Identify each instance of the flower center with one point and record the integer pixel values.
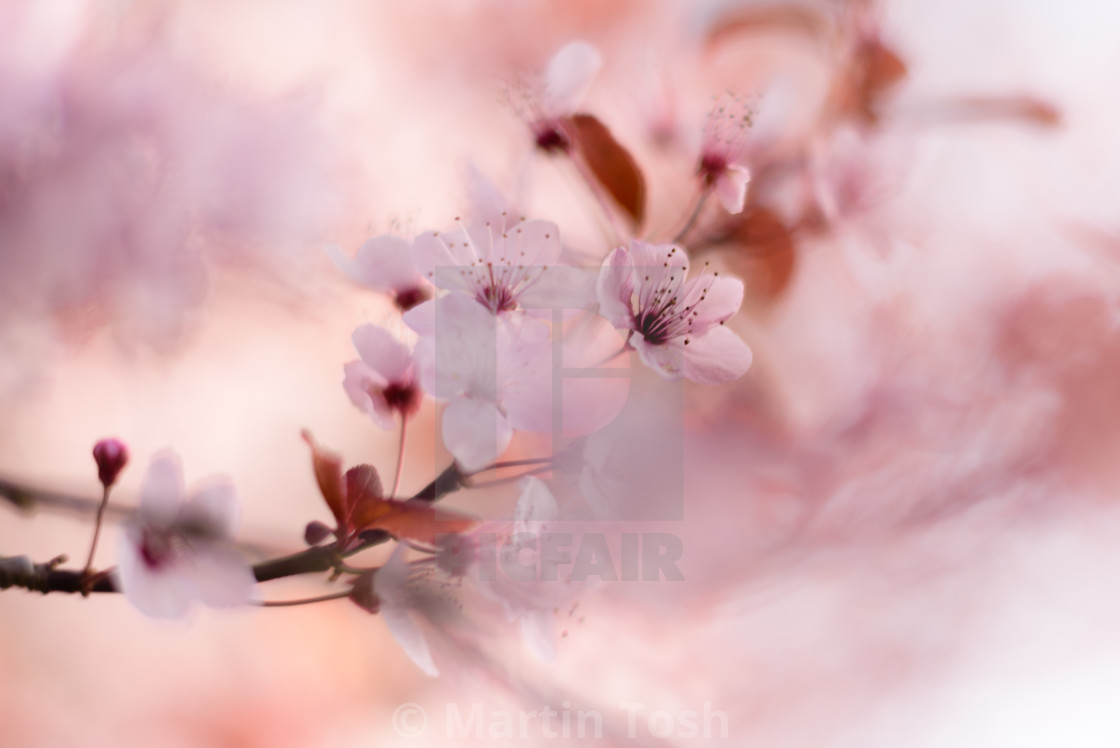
(410, 297)
(551, 139)
(667, 305)
(402, 398)
(156, 548)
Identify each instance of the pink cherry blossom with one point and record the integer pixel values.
(500, 267)
(490, 371)
(175, 552)
(723, 145)
(675, 325)
(386, 264)
(384, 382)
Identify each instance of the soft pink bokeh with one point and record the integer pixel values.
(900, 526)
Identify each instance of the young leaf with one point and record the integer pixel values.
(417, 521)
(767, 249)
(328, 474)
(613, 166)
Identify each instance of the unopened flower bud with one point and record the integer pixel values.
(111, 456)
(316, 532)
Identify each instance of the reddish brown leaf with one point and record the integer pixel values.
(413, 521)
(328, 473)
(876, 69)
(363, 486)
(767, 256)
(613, 166)
(763, 18)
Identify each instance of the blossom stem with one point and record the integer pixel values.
(304, 601)
(400, 456)
(93, 544)
(688, 224)
(511, 478)
(21, 572)
(515, 463)
(625, 347)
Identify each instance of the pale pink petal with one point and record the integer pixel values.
(456, 352)
(389, 584)
(569, 74)
(384, 263)
(219, 577)
(722, 298)
(159, 593)
(535, 507)
(363, 385)
(441, 255)
(213, 510)
(390, 580)
(410, 638)
(383, 353)
(538, 630)
(475, 432)
(533, 244)
(525, 380)
(670, 256)
(162, 491)
(422, 318)
(731, 188)
(615, 288)
(666, 359)
(716, 357)
(486, 200)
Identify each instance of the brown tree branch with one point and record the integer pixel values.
(19, 571)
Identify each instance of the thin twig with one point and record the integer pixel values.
(400, 456)
(303, 601)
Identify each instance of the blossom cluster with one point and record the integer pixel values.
(492, 311)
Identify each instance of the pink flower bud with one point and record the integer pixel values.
(111, 456)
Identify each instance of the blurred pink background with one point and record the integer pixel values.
(900, 527)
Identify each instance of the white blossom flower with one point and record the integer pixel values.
(175, 552)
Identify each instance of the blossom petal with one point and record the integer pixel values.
(615, 288)
(475, 432)
(538, 630)
(383, 352)
(219, 577)
(383, 263)
(159, 593)
(441, 257)
(535, 507)
(665, 359)
(731, 188)
(569, 74)
(716, 357)
(533, 244)
(364, 387)
(410, 638)
(162, 491)
(722, 298)
(212, 511)
(389, 585)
